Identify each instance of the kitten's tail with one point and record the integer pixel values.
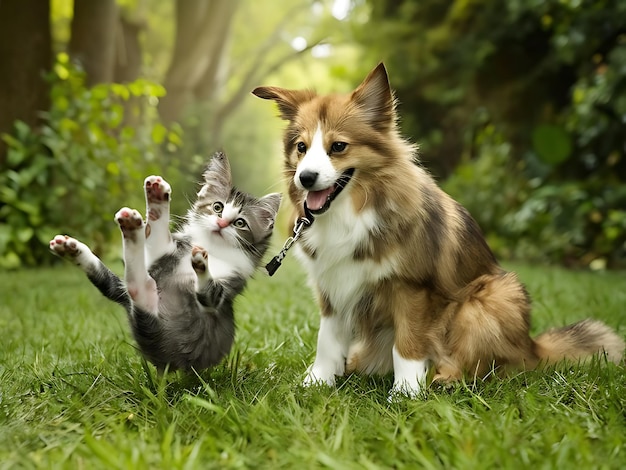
(578, 342)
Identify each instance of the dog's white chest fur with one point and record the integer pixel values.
(334, 237)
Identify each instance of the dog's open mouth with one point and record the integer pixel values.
(318, 202)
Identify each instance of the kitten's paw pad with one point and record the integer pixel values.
(157, 189)
(199, 259)
(129, 221)
(65, 246)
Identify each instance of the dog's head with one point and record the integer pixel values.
(334, 141)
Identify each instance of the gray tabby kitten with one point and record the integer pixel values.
(179, 288)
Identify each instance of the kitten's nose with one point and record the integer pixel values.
(222, 223)
(308, 178)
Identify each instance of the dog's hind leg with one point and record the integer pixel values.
(413, 344)
(490, 327)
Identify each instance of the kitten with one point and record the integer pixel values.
(179, 288)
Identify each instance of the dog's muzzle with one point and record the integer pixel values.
(318, 202)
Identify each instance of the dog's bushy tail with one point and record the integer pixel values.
(578, 342)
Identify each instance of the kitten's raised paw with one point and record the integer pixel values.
(157, 189)
(199, 259)
(65, 246)
(129, 221)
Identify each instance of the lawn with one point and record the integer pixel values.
(74, 392)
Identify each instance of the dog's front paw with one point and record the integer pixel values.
(319, 376)
(130, 222)
(402, 390)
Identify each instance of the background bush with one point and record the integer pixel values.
(523, 105)
(519, 109)
(85, 162)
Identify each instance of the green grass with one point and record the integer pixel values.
(74, 392)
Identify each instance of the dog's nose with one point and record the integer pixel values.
(308, 178)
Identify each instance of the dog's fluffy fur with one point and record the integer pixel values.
(404, 277)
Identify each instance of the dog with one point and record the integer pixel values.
(404, 277)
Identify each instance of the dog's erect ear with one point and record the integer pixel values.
(375, 98)
(287, 100)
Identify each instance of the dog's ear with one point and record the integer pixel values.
(376, 100)
(288, 101)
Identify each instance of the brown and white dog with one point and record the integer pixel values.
(404, 277)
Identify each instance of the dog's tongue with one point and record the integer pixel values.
(315, 200)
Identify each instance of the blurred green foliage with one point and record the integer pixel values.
(518, 106)
(523, 102)
(81, 165)
(573, 222)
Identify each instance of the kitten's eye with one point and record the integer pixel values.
(240, 223)
(338, 147)
(218, 207)
(301, 146)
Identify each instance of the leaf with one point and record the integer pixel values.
(8, 195)
(10, 261)
(127, 133)
(22, 130)
(24, 234)
(207, 405)
(15, 157)
(121, 90)
(113, 169)
(174, 138)
(45, 234)
(5, 236)
(11, 141)
(100, 92)
(552, 143)
(159, 132)
(104, 451)
(61, 71)
(67, 124)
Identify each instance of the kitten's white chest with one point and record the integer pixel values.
(226, 265)
(224, 260)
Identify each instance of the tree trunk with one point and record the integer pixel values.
(25, 56)
(202, 27)
(128, 59)
(92, 43)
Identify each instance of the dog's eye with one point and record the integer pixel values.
(218, 207)
(240, 223)
(338, 147)
(301, 146)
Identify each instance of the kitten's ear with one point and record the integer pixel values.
(288, 101)
(270, 205)
(218, 172)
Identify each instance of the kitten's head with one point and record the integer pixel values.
(232, 218)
